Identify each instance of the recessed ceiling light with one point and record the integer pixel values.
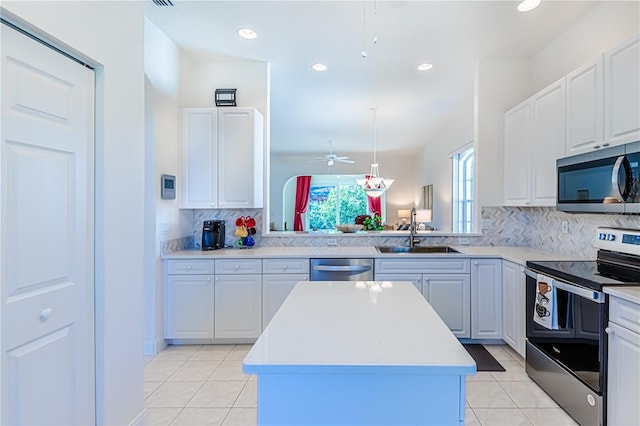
(247, 33)
(319, 67)
(425, 67)
(527, 5)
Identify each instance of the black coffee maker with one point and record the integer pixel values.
(213, 235)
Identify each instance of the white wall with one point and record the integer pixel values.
(393, 165)
(433, 165)
(603, 27)
(87, 30)
(162, 136)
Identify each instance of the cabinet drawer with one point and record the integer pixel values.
(190, 267)
(423, 266)
(624, 313)
(238, 266)
(285, 266)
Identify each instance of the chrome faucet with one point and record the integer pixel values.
(412, 229)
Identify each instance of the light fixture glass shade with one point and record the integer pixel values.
(373, 184)
(527, 5)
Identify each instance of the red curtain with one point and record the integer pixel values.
(374, 205)
(303, 185)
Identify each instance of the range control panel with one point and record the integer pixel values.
(618, 239)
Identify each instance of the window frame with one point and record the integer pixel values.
(463, 221)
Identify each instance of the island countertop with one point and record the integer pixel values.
(357, 327)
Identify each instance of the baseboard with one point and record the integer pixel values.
(153, 346)
(140, 420)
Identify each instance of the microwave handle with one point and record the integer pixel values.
(593, 295)
(615, 182)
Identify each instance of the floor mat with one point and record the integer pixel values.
(484, 360)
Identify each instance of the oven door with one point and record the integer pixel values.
(579, 343)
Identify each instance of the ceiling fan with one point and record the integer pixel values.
(332, 158)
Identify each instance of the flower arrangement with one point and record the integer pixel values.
(245, 230)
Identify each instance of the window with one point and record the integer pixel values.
(334, 200)
(462, 189)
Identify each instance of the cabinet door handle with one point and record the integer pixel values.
(284, 266)
(188, 266)
(45, 314)
(605, 144)
(608, 331)
(426, 278)
(596, 147)
(237, 266)
(475, 263)
(209, 279)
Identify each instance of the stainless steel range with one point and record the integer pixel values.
(566, 352)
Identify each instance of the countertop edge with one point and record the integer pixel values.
(628, 293)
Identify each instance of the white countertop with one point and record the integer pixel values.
(357, 327)
(515, 254)
(629, 293)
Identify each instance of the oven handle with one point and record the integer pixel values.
(593, 295)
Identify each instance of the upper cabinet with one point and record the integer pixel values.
(534, 139)
(622, 93)
(585, 108)
(603, 100)
(223, 153)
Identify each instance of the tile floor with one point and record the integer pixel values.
(205, 385)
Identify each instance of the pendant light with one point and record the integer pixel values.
(373, 184)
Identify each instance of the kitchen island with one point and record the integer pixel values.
(358, 353)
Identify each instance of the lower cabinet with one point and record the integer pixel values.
(624, 363)
(444, 282)
(449, 295)
(416, 279)
(513, 306)
(189, 307)
(238, 306)
(486, 299)
(275, 289)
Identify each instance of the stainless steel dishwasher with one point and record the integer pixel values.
(341, 269)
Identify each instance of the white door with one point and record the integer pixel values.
(46, 217)
(275, 290)
(238, 306)
(517, 155)
(449, 295)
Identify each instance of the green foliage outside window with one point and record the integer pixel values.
(322, 211)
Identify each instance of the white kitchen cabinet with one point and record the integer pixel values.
(416, 279)
(238, 306)
(444, 282)
(624, 362)
(534, 139)
(238, 299)
(486, 299)
(517, 155)
(189, 299)
(449, 295)
(622, 93)
(275, 289)
(513, 306)
(585, 108)
(279, 278)
(548, 142)
(222, 158)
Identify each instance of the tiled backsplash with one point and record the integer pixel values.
(541, 228)
(535, 227)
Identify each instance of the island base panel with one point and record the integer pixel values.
(360, 399)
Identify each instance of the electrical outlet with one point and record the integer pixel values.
(565, 227)
(463, 241)
(487, 223)
(164, 228)
(332, 242)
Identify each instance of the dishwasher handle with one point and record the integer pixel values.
(343, 268)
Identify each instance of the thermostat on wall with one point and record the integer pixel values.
(168, 185)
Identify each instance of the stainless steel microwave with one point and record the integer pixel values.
(602, 181)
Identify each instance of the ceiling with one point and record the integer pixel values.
(308, 108)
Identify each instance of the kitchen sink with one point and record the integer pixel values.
(418, 249)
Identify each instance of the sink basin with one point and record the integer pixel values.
(418, 249)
